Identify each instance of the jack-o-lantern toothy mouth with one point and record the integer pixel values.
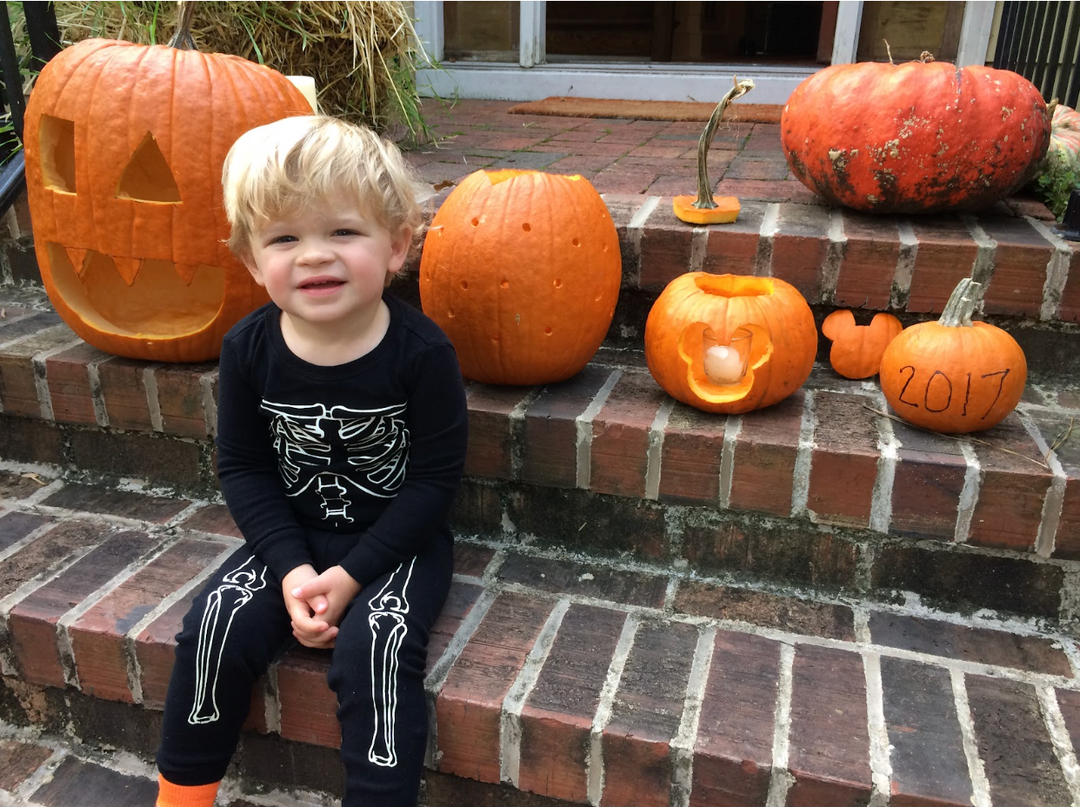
(144, 297)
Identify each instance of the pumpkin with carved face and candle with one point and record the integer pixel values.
(124, 149)
(730, 343)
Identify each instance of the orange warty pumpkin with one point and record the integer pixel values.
(954, 375)
(124, 148)
(856, 349)
(698, 312)
(920, 137)
(522, 270)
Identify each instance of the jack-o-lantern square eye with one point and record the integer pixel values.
(57, 139)
(148, 178)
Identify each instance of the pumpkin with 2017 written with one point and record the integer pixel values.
(522, 271)
(954, 375)
(698, 312)
(919, 137)
(124, 150)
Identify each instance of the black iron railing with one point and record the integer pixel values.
(38, 42)
(1041, 42)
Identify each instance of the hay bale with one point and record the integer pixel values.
(361, 54)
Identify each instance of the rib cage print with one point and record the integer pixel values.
(336, 452)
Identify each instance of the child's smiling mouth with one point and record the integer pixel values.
(321, 284)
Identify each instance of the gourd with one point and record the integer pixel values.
(954, 375)
(706, 208)
(919, 137)
(522, 271)
(857, 349)
(124, 150)
(1065, 136)
(700, 312)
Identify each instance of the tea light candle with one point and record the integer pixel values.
(723, 365)
(306, 85)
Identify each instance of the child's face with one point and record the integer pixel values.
(326, 263)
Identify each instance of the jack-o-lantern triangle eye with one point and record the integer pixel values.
(148, 177)
(57, 149)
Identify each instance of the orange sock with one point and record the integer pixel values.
(170, 795)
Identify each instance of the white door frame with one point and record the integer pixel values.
(533, 78)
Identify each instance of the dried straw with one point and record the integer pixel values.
(361, 54)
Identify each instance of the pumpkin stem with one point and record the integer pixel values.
(182, 39)
(926, 57)
(961, 304)
(704, 187)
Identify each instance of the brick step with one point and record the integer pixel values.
(583, 681)
(822, 489)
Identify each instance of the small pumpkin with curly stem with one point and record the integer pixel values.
(857, 349)
(698, 320)
(954, 375)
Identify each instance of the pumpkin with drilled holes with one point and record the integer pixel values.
(857, 349)
(1065, 136)
(124, 150)
(699, 316)
(954, 375)
(522, 270)
(919, 137)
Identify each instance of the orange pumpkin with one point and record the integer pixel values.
(522, 270)
(699, 312)
(954, 375)
(856, 349)
(919, 137)
(124, 149)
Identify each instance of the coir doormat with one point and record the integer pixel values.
(572, 107)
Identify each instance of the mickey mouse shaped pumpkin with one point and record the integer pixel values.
(124, 148)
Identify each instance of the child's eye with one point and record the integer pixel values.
(283, 239)
(345, 232)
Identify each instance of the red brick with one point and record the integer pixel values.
(929, 768)
(869, 264)
(1058, 431)
(33, 622)
(733, 248)
(214, 519)
(733, 753)
(776, 611)
(49, 551)
(800, 247)
(945, 255)
(459, 603)
(690, 456)
(155, 651)
(557, 717)
(765, 451)
(1014, 486)
(843, 467)
(977, 645)
(124, 393)
(761, 190)
(1020, 260)
(665, 247)
(15, 526)
(550, 444)
(98, 637)
(469, 705)
(928, 480)
(21, 760)
(491, 430)
(69, 384)
(621, 436)
(830, 746)
(308, 706)
(122, 503)
(1069, 307)
(645, 716)
(578, 579)
(1069, 704)
(180, 399)
(1017, 753)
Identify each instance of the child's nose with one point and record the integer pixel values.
(314, 252)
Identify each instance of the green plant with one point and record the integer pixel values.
(10, 145)
(1056, 183)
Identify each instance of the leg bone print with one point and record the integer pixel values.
(388, 629)
(237, 588)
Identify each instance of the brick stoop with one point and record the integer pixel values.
(554, 678)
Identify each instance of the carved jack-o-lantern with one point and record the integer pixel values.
(124, 149)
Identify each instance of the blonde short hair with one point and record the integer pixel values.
(282, 166)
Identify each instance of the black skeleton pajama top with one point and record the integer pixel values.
(373, 449)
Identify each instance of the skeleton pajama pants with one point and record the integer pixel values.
(238, 625)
